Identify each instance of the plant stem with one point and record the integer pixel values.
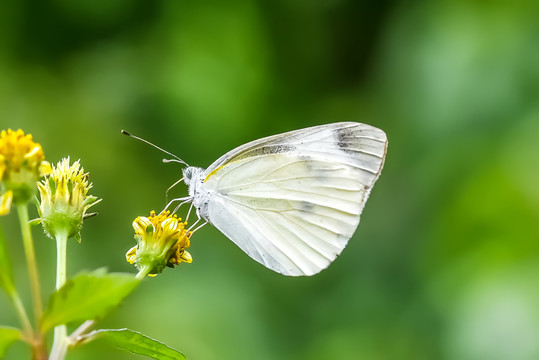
(60, 343)
(21, 312)
(61, 259)
(81, 330)
(142, 273)
(37, 341)
(30, 261)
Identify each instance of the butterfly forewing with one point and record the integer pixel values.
(292, 201)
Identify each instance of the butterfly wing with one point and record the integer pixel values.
(292, 201)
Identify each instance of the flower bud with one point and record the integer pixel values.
(65, 199)
(22, 162)
(161, 241)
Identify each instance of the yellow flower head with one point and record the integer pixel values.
(65, 199)
(21, 165)
(161, 241)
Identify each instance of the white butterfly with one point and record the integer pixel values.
(291, 201)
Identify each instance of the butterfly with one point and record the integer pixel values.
(291, 201)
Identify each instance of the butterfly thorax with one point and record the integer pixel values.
(194, 179)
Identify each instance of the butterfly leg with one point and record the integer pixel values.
(189, 213)
(198, 227)
(182, 200)
(171, 186)
(180, 204)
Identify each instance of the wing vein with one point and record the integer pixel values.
(316, 236)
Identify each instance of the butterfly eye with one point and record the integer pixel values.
(187, 174)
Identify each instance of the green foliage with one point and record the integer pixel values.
(6, 274)
(448, 229)
(8, 336)
(87, 296)
(137, 343)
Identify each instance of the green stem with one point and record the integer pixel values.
(142, 273)
(60, 343)
(12, 292)
(61, 259)
(21, 312)
(81, 330)
(30, 261)
(37, 341)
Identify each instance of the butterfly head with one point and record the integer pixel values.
(191, 174)
(187, 174)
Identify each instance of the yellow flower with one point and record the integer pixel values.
(161, 241)
(65, 199)
(22, 162)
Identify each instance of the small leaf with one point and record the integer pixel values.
(34, 222)
(6, 274)
(136, 343)
(87, 296)
(8, 336)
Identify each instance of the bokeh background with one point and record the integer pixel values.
(445, 264)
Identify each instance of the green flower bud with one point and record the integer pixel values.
(65, 199)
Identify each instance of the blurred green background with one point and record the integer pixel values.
(445, 264)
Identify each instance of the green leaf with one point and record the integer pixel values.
(8, 336)
(136, 343)
(6, 274)
(87, 296)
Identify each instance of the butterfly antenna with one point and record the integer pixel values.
(176, 158)
(166, 161)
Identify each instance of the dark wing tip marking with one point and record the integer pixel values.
(344, 136)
